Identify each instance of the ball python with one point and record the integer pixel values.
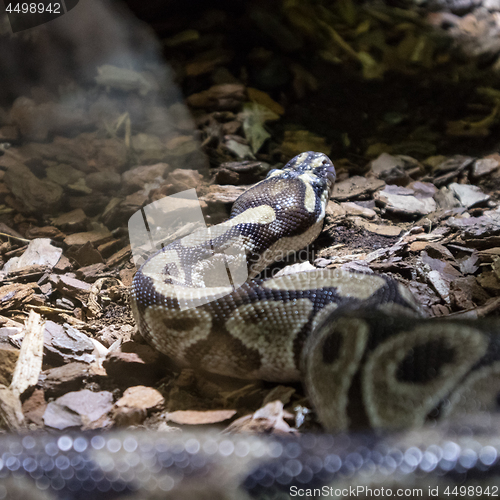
(410, 401)
(357, 340)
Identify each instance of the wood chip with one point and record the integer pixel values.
(186, 417)
(29, 364)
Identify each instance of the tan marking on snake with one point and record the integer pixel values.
(177, 330)
(359, 286)
(391, 403)
(328, 383)
(263, 214)
(309, 195)
(270, 327)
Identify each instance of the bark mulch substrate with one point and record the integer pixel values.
(403, 101)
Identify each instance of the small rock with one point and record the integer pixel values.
(465, 293)
(183, 179)
(455, 163)
(402, 201)
(140, 397)
(241, 151)
(149, 147)
(96, 237)
(354, 187)
(63, 379)
(486, 165)
(63, 174)
(125, 79)
(440, 285)
(37, 121)
(383, 230)
(268, 419)
(335, 210)
(8, 359)
(468, 195)
(40, 252)
(446, 199)
(65, 344)
(138, 177)
(438, 251)
(223, 194)
(80, 408)
(390, 168)
(492, 5)
(16, 295)
(192, 417)
(59, 417)
(35, 194)
(136, 364)
(34, 407)
(423, 189)
(105, 181)
(355, 209)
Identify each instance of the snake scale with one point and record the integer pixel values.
(372, 366)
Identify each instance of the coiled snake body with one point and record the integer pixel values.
(354, 339)
(357, 341)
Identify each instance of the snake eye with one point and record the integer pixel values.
(273, 172)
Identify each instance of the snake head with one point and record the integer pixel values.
(317, 166)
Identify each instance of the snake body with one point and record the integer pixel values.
(356, 340)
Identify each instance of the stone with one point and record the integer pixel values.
(487, 165)
(389, 168)
(135, 364)
(403, 201)
(355, 209)
(354, 187)
(183, 179)
(96, 237)
(40, 252)
(104, 181)
(223, 194)
(381, 229)
(468, 195)
(63, 174)
(76, 409)
(63, 379)
(65, 344)
(37, 121)
(140, 397)
(138, 177)
(35, 194)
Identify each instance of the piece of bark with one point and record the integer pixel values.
(29, 364)
(15, 295)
